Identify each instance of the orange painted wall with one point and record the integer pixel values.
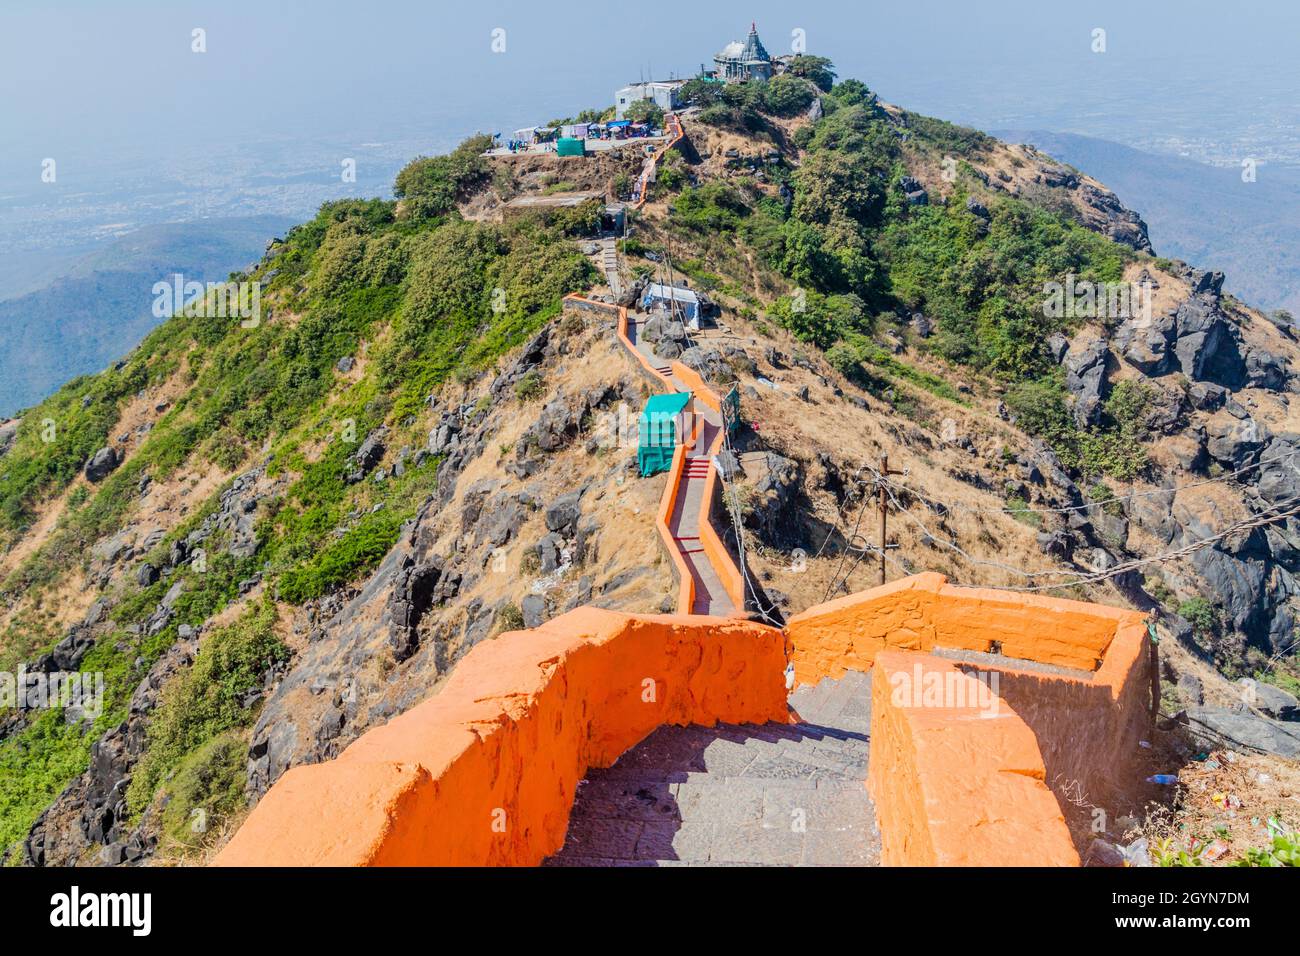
(681, 573)
(953, 788)
(678, 131)
(1088, 729)
(522, 718)
(723, 563)
(696, 385)
(950, 787)
(924, 611)
(507, 739)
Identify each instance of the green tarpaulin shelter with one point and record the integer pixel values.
(569, 146)
(659, 431)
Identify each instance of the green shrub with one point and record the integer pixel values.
(646, 111)
(1202, 615)
(359, 550)
(208, 698)
(948, 137)
(432, 185)
(1020, 510)
(788, 95)
(818, 69)
(1283, 848)
(206, 787)
(510, 618)
(529, 386)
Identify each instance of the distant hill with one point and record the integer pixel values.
(101, 305)
(1200, 213)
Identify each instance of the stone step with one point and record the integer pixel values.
(738, 795)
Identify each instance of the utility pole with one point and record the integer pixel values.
(884, 510)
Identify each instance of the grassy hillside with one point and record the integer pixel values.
(412, 281)
(1201, 213)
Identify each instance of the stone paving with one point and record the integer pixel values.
(738, 795)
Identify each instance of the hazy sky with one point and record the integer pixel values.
(117, 78)
(145, 131)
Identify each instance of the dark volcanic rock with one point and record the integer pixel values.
(369, 455)
(1206, 345)
(1245, 731)
(768, 512)
(562, 515)
(417, 588)
(1146, 343)
(102, 464)
(533, 608)
(1234, 441)
(1086, 380)
(1265, 370)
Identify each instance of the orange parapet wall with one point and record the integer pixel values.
(484, 772)
(957, 782)
(962, 784)
(925, 611)
(723, 563)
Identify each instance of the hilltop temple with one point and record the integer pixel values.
(744, 61)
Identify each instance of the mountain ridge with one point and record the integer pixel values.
(291, 533)
(1201, 213)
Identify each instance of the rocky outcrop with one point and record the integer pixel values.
(562, 421)
(709, 362)
(668, 335)
(1198, 339)
(102, 464)
(416, 589)
(1086, 380)
(1205, 342)
(1146, 342)
(767, 511)
(8, 435)
(235, 518)
(1098, 207)
(1121, 224)
(368, 456)
(913, 191)
(1243, 731)
(92, 811)
(563, 514)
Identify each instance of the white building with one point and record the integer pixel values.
(679, 301)
(662, 92)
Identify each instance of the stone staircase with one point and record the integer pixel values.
(738, 795)
(609, 265)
